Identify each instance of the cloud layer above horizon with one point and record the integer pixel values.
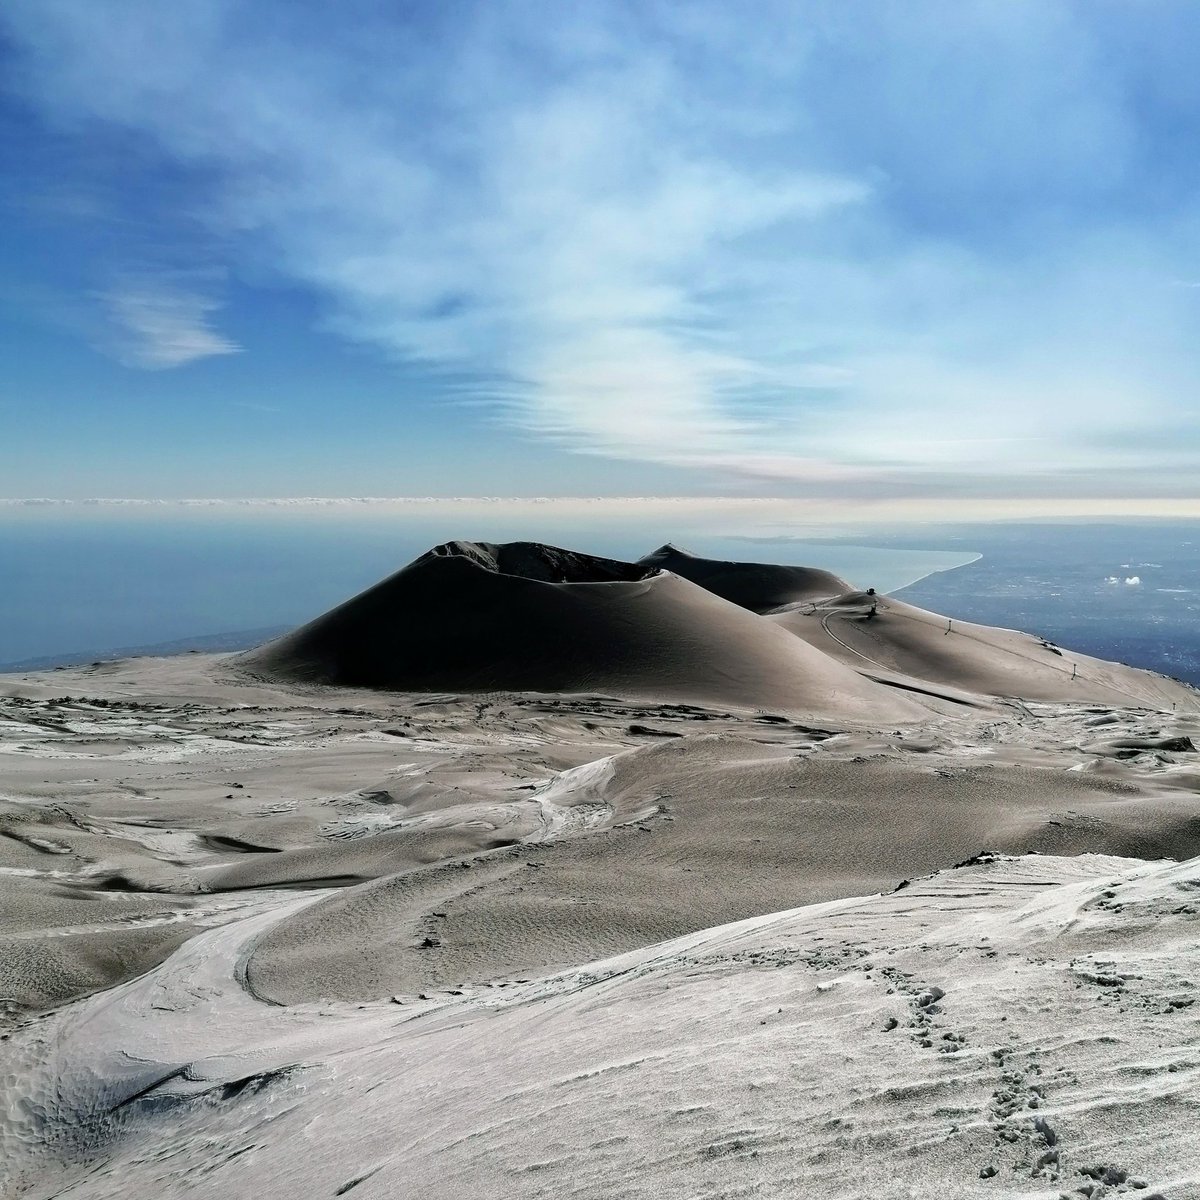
(919, 249)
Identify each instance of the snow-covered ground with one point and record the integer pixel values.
(1017, 1027)
(258, 942)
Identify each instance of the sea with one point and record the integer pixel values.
(82, 585)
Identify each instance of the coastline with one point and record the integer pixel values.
(936, 571)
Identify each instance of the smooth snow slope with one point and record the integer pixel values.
(1017, 1027)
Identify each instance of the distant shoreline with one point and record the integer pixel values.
(936, 571)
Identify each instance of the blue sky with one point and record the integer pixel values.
(941, 251)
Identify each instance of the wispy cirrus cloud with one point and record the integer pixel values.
(159, 324)
(905, 247)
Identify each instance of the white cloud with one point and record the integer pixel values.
(772, 517)
(657, 233)
(158, 325)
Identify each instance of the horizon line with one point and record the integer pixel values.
(790, 509)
